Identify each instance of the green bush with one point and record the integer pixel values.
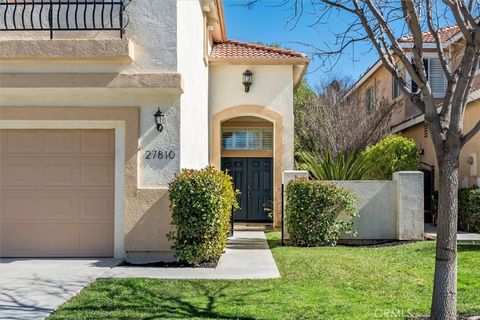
(201, 203)
(391, 154)
(317, 212)
(469, 209)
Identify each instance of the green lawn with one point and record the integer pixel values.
(317, 283)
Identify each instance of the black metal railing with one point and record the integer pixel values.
(63, 15)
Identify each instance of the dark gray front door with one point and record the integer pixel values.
(253, 177)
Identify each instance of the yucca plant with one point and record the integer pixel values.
(326, 167)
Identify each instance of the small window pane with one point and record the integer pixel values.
(227, 140)
(254, 139)
(267, 139)
(241, 140)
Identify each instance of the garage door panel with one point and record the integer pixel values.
(61, 141)
(58, 239)
(23, 141)
(97, 142)
(62, 206)
(96, 206)
(96, 173)
(20, 205)
(17, 240)
(21, 172)
(64, 173)
(96, 238)
(57, 193)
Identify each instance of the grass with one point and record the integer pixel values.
(317, 283)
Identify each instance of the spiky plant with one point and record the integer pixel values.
(345, 166)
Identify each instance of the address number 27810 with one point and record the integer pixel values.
(159, 154)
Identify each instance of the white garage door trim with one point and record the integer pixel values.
(119, 126)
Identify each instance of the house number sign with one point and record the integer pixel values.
(159, 154)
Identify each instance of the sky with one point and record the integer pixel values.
(266, 23)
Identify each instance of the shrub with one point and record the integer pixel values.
(391, 154)
(343, 167)
(201, 203)
(469, 209)
(317, 212)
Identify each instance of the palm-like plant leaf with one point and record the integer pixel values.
(326, 167)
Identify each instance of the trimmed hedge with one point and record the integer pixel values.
(469, 209)
(201, 203)
(316, 210)
(391, 154)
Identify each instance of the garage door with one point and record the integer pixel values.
(57, 193)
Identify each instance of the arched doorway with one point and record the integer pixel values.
(247, 140)
(247, 155)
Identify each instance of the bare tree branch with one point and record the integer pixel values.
(470, 134)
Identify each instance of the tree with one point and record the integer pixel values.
(381, 23)
(330, 121)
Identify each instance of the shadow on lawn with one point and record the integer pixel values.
(152, 304)
(463, 247)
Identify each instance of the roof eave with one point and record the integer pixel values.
(259, 61)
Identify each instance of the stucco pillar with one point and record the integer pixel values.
(409, 204)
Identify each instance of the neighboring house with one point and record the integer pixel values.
(378, 84)
(85, 166)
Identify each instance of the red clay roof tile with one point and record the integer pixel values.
(445, 34)
(231, 49)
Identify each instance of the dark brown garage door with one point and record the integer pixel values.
(57, 193)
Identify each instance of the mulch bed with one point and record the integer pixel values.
(459, 318)
(172, 264)
(373, 243)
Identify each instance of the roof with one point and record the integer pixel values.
(445, 34)
(232, 49)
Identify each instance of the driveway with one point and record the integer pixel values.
(33, 288)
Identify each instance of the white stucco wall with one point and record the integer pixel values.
(272, 88)
(388, 210)
(152, 29)
(377, 206)
(194, 100)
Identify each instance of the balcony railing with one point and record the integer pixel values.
(63, 15)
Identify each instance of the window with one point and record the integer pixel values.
(396, 91)
(435, 76)
(247, 138)
(370, 99)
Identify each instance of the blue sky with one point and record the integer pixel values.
(268, 24)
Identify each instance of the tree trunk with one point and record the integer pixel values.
(444, 302)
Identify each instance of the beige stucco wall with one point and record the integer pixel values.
(467, 176)
(90, 87)
(146, 213)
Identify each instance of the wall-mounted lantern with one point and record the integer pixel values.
(247, 80)
(159, 120)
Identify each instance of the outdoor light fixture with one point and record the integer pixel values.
(247, 79)
(159, 120)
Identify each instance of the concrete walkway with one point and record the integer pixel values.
(33, 288)
(247, 257)
(462, 236)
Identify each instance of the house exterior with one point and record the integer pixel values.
(408, 121)
(85, 166)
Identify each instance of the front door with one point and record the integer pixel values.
(253, 177)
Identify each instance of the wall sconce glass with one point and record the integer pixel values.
(247, 80)
(159, 120)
